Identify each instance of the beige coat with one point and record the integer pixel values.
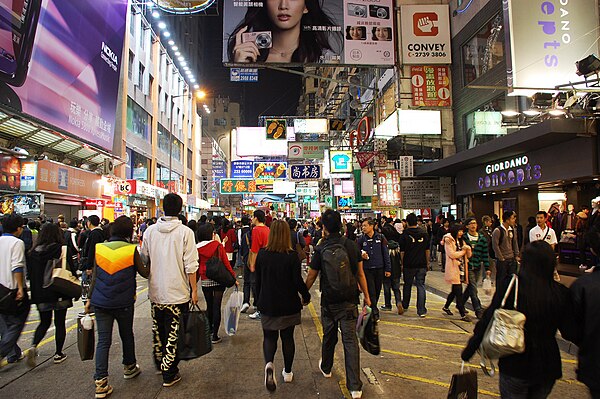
(452, 273)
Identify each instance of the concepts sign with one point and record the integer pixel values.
(510, 172)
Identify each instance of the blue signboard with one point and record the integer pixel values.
(219, 169)
(242, 169)
(344, 202)
(305, 172)
(243, 74)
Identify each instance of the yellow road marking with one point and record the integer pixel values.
(433, 382)
(336, 366)
(427, 341)
(408, 355)
(424, 327)
(569, 361)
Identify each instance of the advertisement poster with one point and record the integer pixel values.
(430, 86)
(344, 202)
(276, 129)
(68, 51)
(244, 186)
(420, 193)
(183, 6)
(242, 169)
(26, 205)
(426, 34)
(219, 169)
(350, 32)
(270, 170)
(252, 141)
(340, 161)
(10, 173)
(305, 172)
(307, 149)
(389, 189)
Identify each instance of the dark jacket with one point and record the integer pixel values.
(278, 283)
(415, 244)
(376, 248)
(541, 360)
(27, 238)
(95, 236)
(113, 282)
(586, 304)
(297, 238)
(390, 232)
(395, 259)
(36, 265)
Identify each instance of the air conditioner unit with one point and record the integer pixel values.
(108, 167)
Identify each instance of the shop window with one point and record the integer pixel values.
(140, 167)
(130, 66)
(189, 159)
(163, 139)
(484, 51)
(141, 71)
(176, 149)
(138, 120)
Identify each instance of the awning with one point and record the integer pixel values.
(544, 134)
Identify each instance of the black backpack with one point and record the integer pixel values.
(335, 265)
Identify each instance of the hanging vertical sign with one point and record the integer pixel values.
(430, 86)
(389, 189)
(405, 164)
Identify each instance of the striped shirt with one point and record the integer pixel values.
(479, 245)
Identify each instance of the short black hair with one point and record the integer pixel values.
(293, 223)
(73, 223)
(468, 221)
(94, 220)
(411, 219)
(332, 220)
(507, 215)
(192, 224)
(245, 220)
(203, 219)
(542, 213)
(183, 219)
(205, 232)
(12, 222)
(122, 227)
(172, 204)
(370, 221)
(260, 215)
(32, 225)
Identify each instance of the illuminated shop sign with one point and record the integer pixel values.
(510, 172)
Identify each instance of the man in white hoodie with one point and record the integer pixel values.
(170, 249)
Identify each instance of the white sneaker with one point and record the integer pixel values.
(255, 315)
(326, 375)
(270, 380)
(287, 377)
(356, 394)
(245, 308)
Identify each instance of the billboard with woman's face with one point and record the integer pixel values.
(347, 32)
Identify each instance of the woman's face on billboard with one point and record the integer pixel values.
(286, 14)
(355, 32)
(382, 34)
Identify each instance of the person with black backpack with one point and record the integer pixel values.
(340, 264)
(245, 243)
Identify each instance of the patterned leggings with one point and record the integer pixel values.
(165, 334)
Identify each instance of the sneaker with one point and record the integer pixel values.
(102, 388)
(173, 381)
(400, 308)
(356, 394)
(447, 311)
(466, 318)
(245, 308)
(387, 308)
(216, 340)
(31, 354)
(270, 382)
(326, 375)
(14, 359)
(423, 315)
(287, 377)
(582, 266)
(131, 371)
(255, 315)
(59, 358)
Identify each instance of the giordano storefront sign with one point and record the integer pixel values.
(183, 6)
(509, 172)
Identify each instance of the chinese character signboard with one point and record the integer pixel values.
(243, 74)
(344, 202)
(430, 86)
(425, 34)
(305, 172)
(242, 169)
(307, 149)
(340, 161)
(276, 129)
(405, 163)
(270, 170)
(219, 169)
(388, 187)
(244, 186)
(422, 193)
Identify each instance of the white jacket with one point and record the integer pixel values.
(170, 248)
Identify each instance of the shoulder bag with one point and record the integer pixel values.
(505, 334)
(60, 279)
(216, 271)
(299, 248)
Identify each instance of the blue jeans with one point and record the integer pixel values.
(516, 388)
(11, 326)
(418, 276)
(433, 250)
(471, 290)
(104, 324)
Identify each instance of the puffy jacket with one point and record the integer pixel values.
(452, 273)
(113, 283)
(208, 249)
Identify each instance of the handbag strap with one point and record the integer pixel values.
(513, 282)
(63, 257)
(483, 363)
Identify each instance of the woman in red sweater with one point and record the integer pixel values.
(213, 291)
(228, 238)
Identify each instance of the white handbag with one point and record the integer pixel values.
(63, 282)
(505, 334)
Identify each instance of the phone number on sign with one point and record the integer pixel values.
(427, 54)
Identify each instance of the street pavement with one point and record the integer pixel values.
(417, 360)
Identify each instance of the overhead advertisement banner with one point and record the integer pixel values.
(252, 141)
(426, 34)
(307, 149)
(242, 169)
(270, 170)
(276, 129)
(244, 186)
(388, 188)
(305, 172)
(183, 6)
(546, 39)
(430, 86)
(341, 161)
(244, 75)
(349, 32)
(60, 62)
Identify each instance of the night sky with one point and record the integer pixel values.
(276, 93)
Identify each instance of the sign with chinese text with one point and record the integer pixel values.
(405, 164)
(388, 188)
(430, 86)
(344, 202)
(58, 178)
(243, 186)
(28, 176)
(307, 191)
(307, 149)
(305, 172)
(340, 161)
(365, 158)
(267, 170)
(243, 75)
(242, 169)
(276, 129)
(426, 34)
(420, 193)
(219, 169)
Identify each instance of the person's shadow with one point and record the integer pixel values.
(9, 98)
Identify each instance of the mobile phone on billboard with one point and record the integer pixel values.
(18, 24)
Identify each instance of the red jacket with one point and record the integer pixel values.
(208, 249)
(231, 239)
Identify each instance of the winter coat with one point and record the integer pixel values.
(36, 265)
(394, 249)
(208, 249)
(452, 273)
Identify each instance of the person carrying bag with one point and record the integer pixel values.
(194, 334)
(463, 385)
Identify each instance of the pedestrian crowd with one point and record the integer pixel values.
(351, 259)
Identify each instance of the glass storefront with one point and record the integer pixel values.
(138, 120)
(484, 51)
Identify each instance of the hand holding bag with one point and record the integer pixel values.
(463, 385)
(368, 332)
(60, 279)
(194, 334)
(232, 310)
(505, 334)
(86, 340)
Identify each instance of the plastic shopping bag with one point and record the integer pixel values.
(86, 340)
(487, 286)
(231, 312)
(194, 334)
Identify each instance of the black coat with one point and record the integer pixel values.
(541, 360)
(36, 265)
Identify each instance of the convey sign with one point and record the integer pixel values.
(305, 172)
(426, 34)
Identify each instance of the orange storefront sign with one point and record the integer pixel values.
(55, 177)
